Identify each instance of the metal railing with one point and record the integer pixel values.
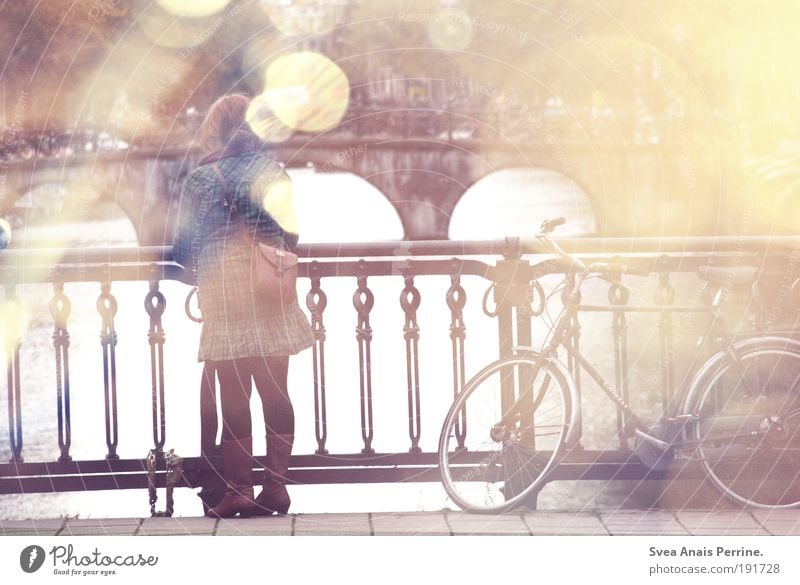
(509, 265)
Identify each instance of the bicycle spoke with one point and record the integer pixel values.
(509, 448)
(748, 432)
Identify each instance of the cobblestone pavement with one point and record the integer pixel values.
(445, 523)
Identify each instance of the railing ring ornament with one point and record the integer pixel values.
(188, 307)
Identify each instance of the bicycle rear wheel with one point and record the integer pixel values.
(491, 467)
(748, 427)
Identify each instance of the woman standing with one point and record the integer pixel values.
(243, 338)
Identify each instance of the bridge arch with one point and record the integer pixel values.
(513, 201)
(422, 178)
(340, 206)
(46, 208)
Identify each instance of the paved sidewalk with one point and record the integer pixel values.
(540, 523)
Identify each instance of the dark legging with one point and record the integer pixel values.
(270, 375)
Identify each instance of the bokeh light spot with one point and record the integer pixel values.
(307, 91)
(278, 200)
(265, 123)
(15, 318)
(194, 8)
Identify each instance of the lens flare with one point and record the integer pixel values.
(277, 197)
(194, 8)
(307, 91)
(15, 318)
(265, 123)
(450, 29)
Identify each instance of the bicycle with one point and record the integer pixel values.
(739, 414)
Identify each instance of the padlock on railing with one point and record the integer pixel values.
(174, 470)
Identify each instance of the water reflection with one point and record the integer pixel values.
(514, 202)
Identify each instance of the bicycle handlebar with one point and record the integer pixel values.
(549, 225)
(601, 268)
(605, 268)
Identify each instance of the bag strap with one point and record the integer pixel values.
(230, 203)
(229, 199)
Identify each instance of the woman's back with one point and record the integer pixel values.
(253, 178)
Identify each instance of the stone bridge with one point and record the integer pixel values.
(423, 177)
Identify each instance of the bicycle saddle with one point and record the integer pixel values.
(730, 275)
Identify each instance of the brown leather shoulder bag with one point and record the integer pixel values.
(273, 271)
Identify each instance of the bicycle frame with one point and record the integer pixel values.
(740, 428)
(561, 339)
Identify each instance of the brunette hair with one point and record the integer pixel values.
(225, 126)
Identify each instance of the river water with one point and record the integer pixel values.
(510, 204)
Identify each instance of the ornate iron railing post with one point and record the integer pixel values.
(512, 291)
(363, 301)
(209, 423)
(665, 296)
(572, 362)
(13, 341)
(456, 300)
(60, 308)
(316, 301)
(504, 290)
(107, 307)
(155, 304)
(510, 276)
(513, 299)
(409, 302)
(618, 296)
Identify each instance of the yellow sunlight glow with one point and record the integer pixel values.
(14, 318)
(278, 200)
(307, 91)
(265, 123)
(193, 7)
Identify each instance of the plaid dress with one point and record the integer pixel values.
(217, 247)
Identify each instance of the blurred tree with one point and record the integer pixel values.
(727, 69)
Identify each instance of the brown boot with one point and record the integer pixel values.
(274, 497)
(237, 458)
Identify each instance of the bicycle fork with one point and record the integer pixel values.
(501, 431)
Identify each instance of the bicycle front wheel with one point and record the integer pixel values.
(491, 460)
(748, 427)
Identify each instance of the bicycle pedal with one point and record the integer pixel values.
(653, 456)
